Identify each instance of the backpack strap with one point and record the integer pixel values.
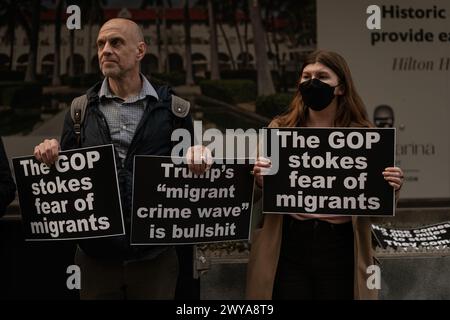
(77, 112)
(180, 108)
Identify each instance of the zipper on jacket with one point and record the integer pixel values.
(145, 117)
(106, 127)
(106, 130)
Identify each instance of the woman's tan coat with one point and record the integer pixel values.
(265, 251)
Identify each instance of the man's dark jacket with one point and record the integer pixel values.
(7, 186)
(152, 137)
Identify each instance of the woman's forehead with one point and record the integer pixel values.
(317, 67)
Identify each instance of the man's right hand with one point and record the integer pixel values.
(47, 151)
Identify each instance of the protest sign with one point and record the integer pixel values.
(427, 237)
(334, 171)
(76, 198)
(171, 205)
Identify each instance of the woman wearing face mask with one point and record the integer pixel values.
(306, 256)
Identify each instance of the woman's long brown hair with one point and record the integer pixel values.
(350, 107)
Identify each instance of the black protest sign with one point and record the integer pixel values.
(76, 198)
(427, 237)
(334, 171)
(171, 205)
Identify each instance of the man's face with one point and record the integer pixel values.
(119, 49)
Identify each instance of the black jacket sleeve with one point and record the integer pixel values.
(7, 186)
(189, 125)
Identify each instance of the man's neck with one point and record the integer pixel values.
(323, 118)
(127, 86)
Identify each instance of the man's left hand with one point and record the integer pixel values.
(199, 159)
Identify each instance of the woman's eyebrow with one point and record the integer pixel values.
(316, 72)
(323, 72)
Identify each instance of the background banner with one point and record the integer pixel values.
(402, 72)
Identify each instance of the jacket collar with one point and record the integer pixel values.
(92, 92)
(147, 90)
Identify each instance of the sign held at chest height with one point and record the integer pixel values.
(332, 171)
(171, 205)
(78, 197)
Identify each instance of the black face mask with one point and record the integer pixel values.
(316, 94)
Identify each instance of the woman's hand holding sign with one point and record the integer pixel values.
(394, 176)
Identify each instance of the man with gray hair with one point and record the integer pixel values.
(138, 118)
